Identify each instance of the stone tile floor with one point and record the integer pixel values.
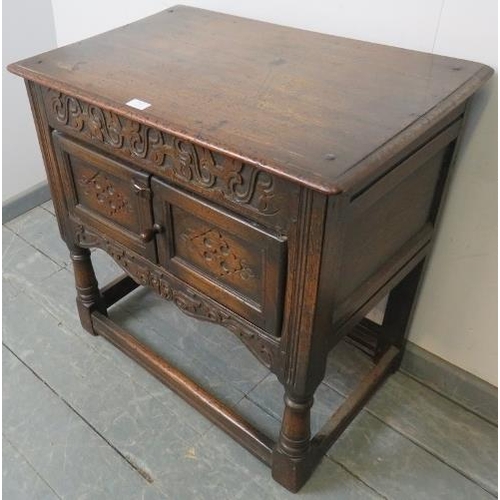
(82, 421)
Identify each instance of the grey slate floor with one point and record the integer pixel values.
(82, 421)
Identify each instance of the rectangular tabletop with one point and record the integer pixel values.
(310, 107)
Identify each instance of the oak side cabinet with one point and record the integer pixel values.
(275, 181)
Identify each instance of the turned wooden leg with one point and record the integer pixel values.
(88, 296)
(295, 432)
(292, 464)
(398, 313)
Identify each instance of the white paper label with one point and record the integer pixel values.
(138, 104)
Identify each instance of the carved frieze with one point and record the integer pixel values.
(173, 157)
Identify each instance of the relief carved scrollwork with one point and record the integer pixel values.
(184, 298)
(171, 156)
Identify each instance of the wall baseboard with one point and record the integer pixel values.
(456, 384)
(31, 198)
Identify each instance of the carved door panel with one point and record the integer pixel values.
(106, 195)
(229, 259)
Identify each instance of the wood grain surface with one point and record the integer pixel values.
(310, 107)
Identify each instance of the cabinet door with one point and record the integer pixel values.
(105, 194)
(224, 256)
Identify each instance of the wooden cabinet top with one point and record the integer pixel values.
(318, 109)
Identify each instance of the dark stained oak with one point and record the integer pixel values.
(281, 183)
(257, 91)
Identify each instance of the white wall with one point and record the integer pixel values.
(28, 28)
(456, 316)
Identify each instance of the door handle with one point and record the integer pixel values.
(148, 234)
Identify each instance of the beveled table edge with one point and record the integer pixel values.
(335, 186)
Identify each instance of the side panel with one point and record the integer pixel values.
(385, 225)
(43, 130)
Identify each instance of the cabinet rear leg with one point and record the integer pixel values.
(398, 313)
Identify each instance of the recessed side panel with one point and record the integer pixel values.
(389, 222)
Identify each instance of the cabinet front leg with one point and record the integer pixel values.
(292, 464)
(88, 296)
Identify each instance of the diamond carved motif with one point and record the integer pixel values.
(218, 255)
(100, 187)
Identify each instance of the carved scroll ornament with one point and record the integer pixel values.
(171, 156)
